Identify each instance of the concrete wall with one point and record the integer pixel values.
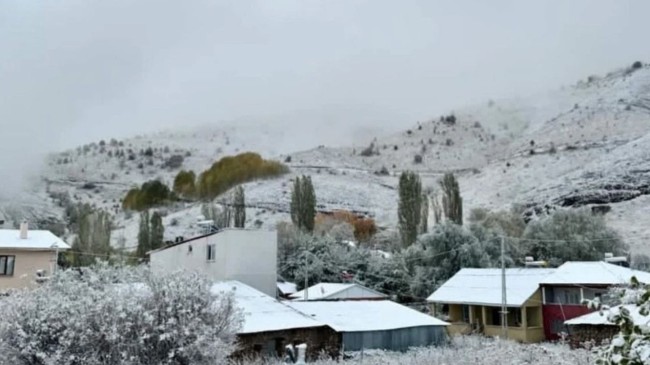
(249, 256)
(25, 266)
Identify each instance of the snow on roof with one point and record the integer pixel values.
(36, 240)
(602, 317)
(366, 315)
(286, 287)
(594, 273)
(483, 286)
(323, 291)
(263, 313)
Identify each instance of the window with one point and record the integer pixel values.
(7, 265)
(210, 252)
(571, 296)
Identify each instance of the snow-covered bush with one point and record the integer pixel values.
(124, 315)
(631, 346)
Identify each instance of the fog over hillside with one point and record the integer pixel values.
(85, 70)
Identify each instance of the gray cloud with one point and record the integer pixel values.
(81, 70)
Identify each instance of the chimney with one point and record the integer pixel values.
(24, 227)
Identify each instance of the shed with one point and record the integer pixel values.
(269, 325)
(286, 288)
(338, 291)
(372, 324)
(597, 327)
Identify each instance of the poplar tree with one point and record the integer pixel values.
(409, 208)
(452, 203)
(239, 203)
(156, 231)
(303, 204)
(144, 236)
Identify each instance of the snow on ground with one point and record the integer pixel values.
(471, 350)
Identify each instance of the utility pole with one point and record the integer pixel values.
(504, 303)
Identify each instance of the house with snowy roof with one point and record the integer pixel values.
(27, 257)
(471, 301)
(564, 292)
(376, 324)
(270, 325)
(337, 291)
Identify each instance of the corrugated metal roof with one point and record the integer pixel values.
(365, 315)
(602, 317)
(594, 273)
(483, 286)
(263, 313)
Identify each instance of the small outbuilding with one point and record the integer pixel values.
(337, 291)
(269, 325)
(597, 327)
(376, 324)
(285, 288)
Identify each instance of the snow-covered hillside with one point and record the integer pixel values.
(584, 145)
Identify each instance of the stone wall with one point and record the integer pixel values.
(581, 334)
(319, 340)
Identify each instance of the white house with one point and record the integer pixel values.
(245, 255)
(337, 291)
(27, 257)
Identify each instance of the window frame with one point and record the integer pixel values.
(4, 265)
(210, 252)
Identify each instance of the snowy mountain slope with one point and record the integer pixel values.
(579, 146)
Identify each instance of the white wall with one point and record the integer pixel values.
(249, 256)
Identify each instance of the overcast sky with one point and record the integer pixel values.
(82, 70)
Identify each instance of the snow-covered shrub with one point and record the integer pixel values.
(631, 346)
(106, 315)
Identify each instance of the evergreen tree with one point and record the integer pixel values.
(240, 207)
(303, 204)
(156, 231)
(144, 235)
(424, 215)
(452, 203)
(409, 209)
(309, 207)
